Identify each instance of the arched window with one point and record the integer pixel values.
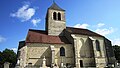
(97, 45)
(54, 16)
(59, 16)
(62, 51)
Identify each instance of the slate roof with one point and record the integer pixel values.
(56, 7)
(82, 31)
(39, 36)
(21, 44)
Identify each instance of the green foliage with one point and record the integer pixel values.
(8, 56)
(117, 52)
(0, 57)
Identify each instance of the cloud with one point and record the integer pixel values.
(105, 31)
(81, 26)
(24, 13)
(2, 39)
(100, 24)
(102, 31)
(14, 49)
(116, 42)
(35, 21)
(26, 2)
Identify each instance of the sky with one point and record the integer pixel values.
(18, 16)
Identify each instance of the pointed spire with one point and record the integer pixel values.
(55, 6)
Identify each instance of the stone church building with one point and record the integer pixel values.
(59, 46)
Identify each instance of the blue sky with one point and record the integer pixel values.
(17, 16)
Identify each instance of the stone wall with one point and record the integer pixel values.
(36, 52)
(22, 56)
(55, 27)
(109, 52)
(86, 52)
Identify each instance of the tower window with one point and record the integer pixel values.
(97, 45)
(54, 16)
(62, 51)
(59, 16)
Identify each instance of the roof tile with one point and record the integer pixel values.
(38, 36)
(82, 31)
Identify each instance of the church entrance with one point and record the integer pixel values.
(81, 63)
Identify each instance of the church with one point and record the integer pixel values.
(59, 46)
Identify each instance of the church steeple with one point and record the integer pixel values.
(54, 6)
(55, 20)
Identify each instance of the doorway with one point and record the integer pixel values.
(81, 63)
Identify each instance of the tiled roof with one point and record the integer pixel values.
(39, 36)
(56, 7)
(82, 31)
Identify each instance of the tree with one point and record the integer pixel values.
(8, 56)
(117, 52)
(1, 62)
(0, 57)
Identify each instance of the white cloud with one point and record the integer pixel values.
(35, 21)
(81, 26)
(116, 42)
(24, 13)
(105, 31)
(102, 31)
(14, 49)
(100, 24)
(2, 39)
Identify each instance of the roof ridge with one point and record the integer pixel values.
(86, 31)
(77, 28)
(35, 30)
(55, 7)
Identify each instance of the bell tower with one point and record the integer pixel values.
(55, 20)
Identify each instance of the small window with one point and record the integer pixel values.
(62, 51)
(59, 16)
(54, 16)
(29, 64)
(97, 45)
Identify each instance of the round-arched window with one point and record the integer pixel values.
(62, 51)
(54, 16)
(97, 45)
(59, 16)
